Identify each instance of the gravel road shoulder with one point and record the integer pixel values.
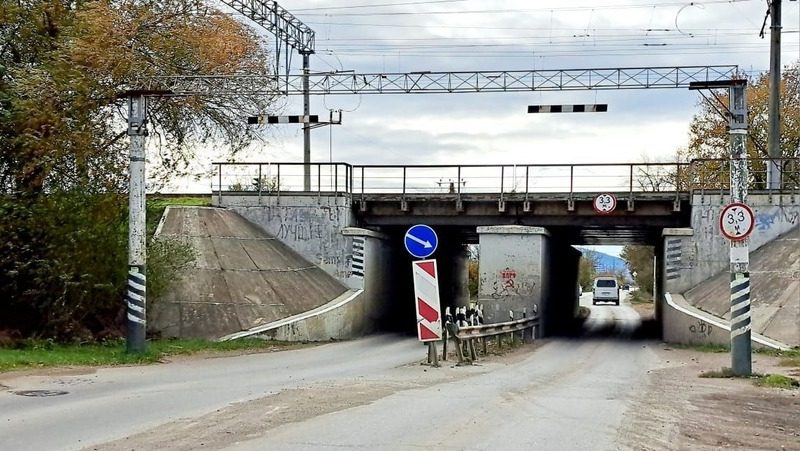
(679, 410)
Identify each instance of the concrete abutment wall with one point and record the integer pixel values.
(309, 224)
(695, 257)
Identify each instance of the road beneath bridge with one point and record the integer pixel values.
(598, 392)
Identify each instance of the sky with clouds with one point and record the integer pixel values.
(485, 128)
(489, 128)
(516, 35)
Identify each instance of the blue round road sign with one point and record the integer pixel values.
(421, 241)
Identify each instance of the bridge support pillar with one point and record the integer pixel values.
(563, 299)
(461, 277)
(371, 270)
(514, 271)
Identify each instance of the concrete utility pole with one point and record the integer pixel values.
(774, 113)
(137, 239)
(306, 126)
(741, 358)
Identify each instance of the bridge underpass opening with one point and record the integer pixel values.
(397, 312)
(558, 299)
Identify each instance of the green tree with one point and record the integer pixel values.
(474, 276)
(708, 132)
(639, 260)
(587, 269)
(63, 152)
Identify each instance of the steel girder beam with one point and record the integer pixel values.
(440, 82)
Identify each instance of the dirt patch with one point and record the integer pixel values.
(253, 419)
(216, 354)
(646, 310)
(679, 410)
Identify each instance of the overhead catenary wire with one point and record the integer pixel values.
(527, 10)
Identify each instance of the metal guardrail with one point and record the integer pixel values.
(707, 176)
(465, 336)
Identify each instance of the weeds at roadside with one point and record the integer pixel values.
(777, 381)
(46, 353)
(640, 297)
(724, 373)
(710, 348)
(760, 380)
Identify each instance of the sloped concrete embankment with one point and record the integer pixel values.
(774, 290)
(242, 278)
(696, 262)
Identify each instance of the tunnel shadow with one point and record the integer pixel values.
(583, 329)
(398, 310)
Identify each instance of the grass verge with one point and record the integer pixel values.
(156, 206)
(43, 354)
(640, 297)
(777, 381)
(761, 380)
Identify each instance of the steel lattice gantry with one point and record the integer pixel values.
(278, 21)
(440, 82)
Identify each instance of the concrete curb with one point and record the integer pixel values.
(336, 303)
(680, 305)
(162, 221)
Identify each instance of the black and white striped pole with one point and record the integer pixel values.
(741, 358)
(135, 296)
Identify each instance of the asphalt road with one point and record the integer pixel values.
(112, 403)
(565, 395)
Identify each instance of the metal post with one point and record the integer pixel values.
(259, 183)
(774, 112)
(306, 127)
(136, 295)
(741, 358)
(219, 185)
(527, 171)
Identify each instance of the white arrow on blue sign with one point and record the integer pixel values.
(421, 241)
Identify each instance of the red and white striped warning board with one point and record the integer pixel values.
(426, 294)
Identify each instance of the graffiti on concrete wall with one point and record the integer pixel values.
(299, 231)
(312, 230)
(702, 328)
(508, 283)
(776, 215)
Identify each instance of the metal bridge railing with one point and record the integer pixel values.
(273, 179)
(706, 176)
(712, 175)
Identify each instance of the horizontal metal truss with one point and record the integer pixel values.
(441, 82)
(278, 21)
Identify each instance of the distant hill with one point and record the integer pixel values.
(608, 263)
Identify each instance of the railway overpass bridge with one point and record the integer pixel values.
(526, 217)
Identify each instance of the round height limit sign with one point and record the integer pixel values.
(736, 221)
(604, 203)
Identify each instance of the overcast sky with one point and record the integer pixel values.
(471, 35)
(482, 128)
